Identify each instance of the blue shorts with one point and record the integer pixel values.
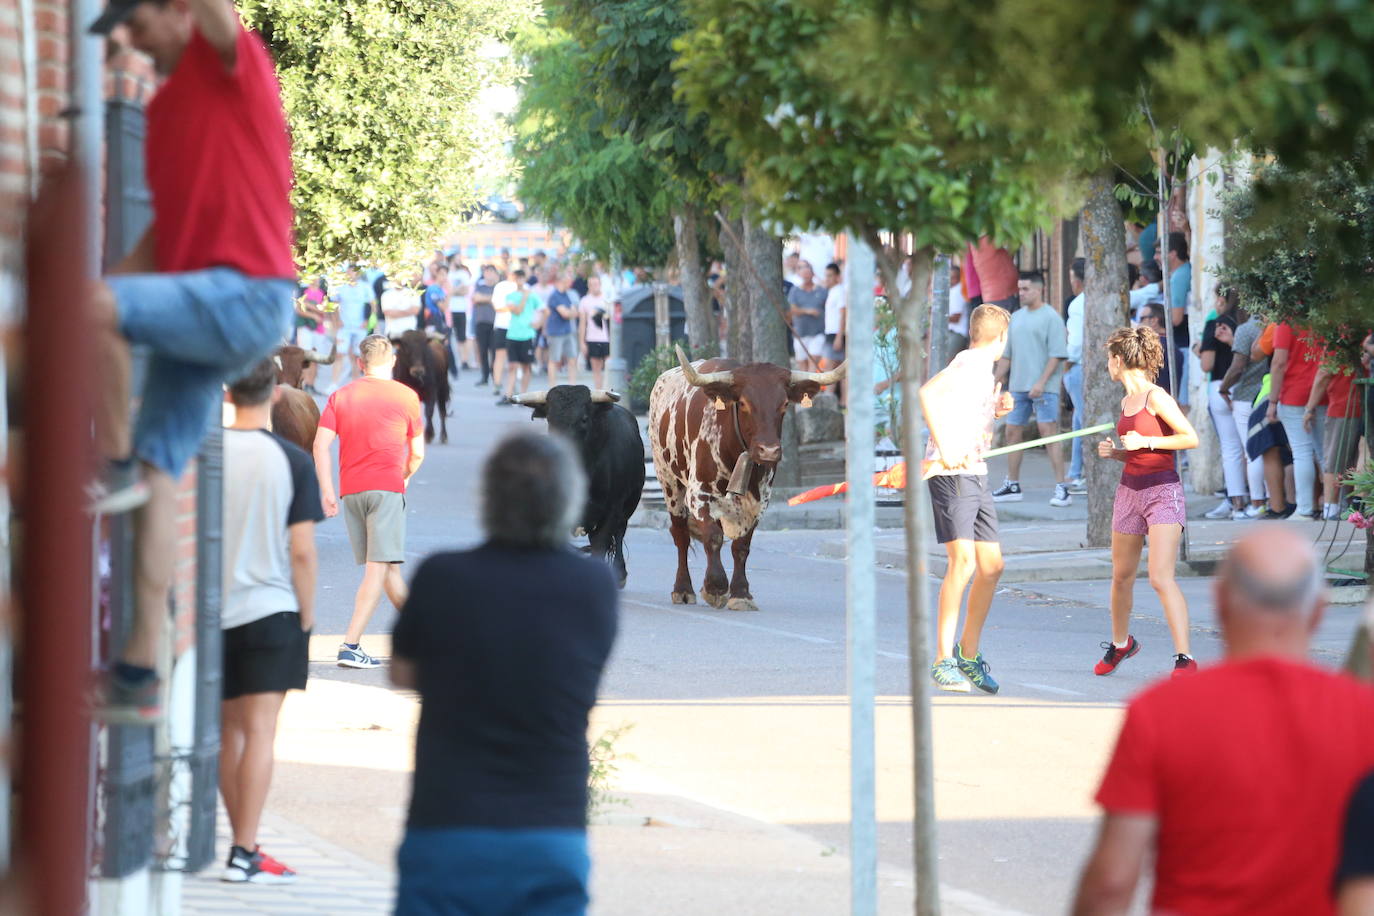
(479, 871)
(1046, 408)
(202, 328)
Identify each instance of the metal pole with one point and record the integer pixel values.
(616, 373)
(860, 585)
(663, 328)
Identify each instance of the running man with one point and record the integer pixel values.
(960, 404)
(208, 289)
(1149, 499)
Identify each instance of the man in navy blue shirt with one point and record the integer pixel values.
(434, 303)
(561, 330)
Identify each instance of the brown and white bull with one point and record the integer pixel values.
(295, 415)
(716, 432)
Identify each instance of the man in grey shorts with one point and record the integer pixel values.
(381, 445)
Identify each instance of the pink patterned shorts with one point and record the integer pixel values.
(1142, 503)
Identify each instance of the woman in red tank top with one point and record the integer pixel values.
(1149, 499)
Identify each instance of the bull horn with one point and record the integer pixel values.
(699, 379)
(823, 379)
(604, 396)
(531, 399)
(435, 335)
(313, 356)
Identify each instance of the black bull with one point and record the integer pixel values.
(607, 438)
(422, 365)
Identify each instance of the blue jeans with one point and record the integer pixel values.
(1073, 381)
(477, 871)
(1046, 408)
(203, 328)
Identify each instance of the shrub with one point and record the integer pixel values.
(658, 361)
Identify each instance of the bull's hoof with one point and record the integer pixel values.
(684, 598)
(716, 601)
(741, 604)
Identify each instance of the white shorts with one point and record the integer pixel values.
(815, 344)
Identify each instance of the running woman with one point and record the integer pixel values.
(1149, 499)
(960, 404)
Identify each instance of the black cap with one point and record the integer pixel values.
(115, 12)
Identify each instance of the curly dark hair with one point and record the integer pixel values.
(1139, 348)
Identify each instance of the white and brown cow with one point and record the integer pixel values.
(716, 431)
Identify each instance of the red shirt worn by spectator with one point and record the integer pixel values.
(997, 274)
(375, 420)
(1304, 358)
(1339, 403)
(226, 200)
(1247, 767)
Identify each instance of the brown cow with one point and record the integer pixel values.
(292, 360)
(716, 431)
(296, 417)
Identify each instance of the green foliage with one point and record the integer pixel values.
(387, 134)
(794, 104)
(887, 356)
(658, 361)
(603, 769)
(1300, 248)
(611, 191)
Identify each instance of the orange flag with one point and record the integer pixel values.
(894, 478)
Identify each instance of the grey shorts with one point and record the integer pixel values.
(1341, 444)
(376, 522)
(562, 348)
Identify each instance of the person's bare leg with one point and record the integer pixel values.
(259, 723)
(230, 755)
(599, 373)
(1126, 550)
(1164, 541)
(498, 367)
(1273, 480)
(113, 434)
(155, 536)
(987, 571)
(395, 585)
(510, 379)
(572, 371)
(365, 603)
(526, 371)
(957, 575)
(1055, 452)
(1014, 435)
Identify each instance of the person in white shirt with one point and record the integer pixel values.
(499, 295)
(958, 312)
(833, 352)
(1149, 288)
(401, 307)
(460, 298)
(1073, 376)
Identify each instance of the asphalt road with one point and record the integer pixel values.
(746, 713)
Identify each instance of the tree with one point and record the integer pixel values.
(382, 99)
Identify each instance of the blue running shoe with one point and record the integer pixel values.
(976, 670)
(947, 676)
(356, 657)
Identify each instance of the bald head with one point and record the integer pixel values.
(1269, 593)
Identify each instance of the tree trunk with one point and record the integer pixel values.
(1208, 253)
(738, 327)
(696, 297)
(1106, 308)
(771, 339)
(939, 317)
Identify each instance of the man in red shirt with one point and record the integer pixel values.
(1293, 369)
(1236, 779)
(207, 290)
(1341, 430)
(381, 445)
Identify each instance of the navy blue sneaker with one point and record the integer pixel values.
(976, 670)
(356, 657)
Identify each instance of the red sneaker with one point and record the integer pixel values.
(255, 867)
(1115, 656)
(1184, 665)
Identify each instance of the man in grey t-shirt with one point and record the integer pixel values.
(1031, 368)
(807, 299)
(1240, 386)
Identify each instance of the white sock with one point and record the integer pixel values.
(1122, 645)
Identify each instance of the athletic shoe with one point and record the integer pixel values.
(1116, 656)
(1220, 511)
(480, 383)
(503, 401)
(1331, 513)
(1271, 515)
(119, 489)
(255, 867)
(1238, 515)
(1008, 492)
(947, 676)
(1255, 511)
(1184, 664)
(976, 670)
(121, 702)
(356, 658)
(1061, 497)
(1078, 487)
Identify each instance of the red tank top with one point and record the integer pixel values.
(1143, 461)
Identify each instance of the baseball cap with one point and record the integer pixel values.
(115, 13)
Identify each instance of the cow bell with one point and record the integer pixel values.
(739, 478)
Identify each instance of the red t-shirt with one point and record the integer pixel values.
(1304, 358)
(1248, 767)
(1338, 400)
(219, 163)
(375, 419)
(997, 275)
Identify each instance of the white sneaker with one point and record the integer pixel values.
(1331, 513)
(1078, 487)
(1238, 515)
(1222, 510)
(1254, 511)
(1061, 496)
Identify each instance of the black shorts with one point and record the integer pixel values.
(520, 351)
(270, 655)
(460, 326)
(498, 339)
(598, 349)
(963, 506)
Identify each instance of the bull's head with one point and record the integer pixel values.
(758, 394)
(568, 408)
(291, 361)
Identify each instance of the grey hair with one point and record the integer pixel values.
(533, 491)
(1299, 595)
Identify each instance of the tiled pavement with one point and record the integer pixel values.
(332, 880)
